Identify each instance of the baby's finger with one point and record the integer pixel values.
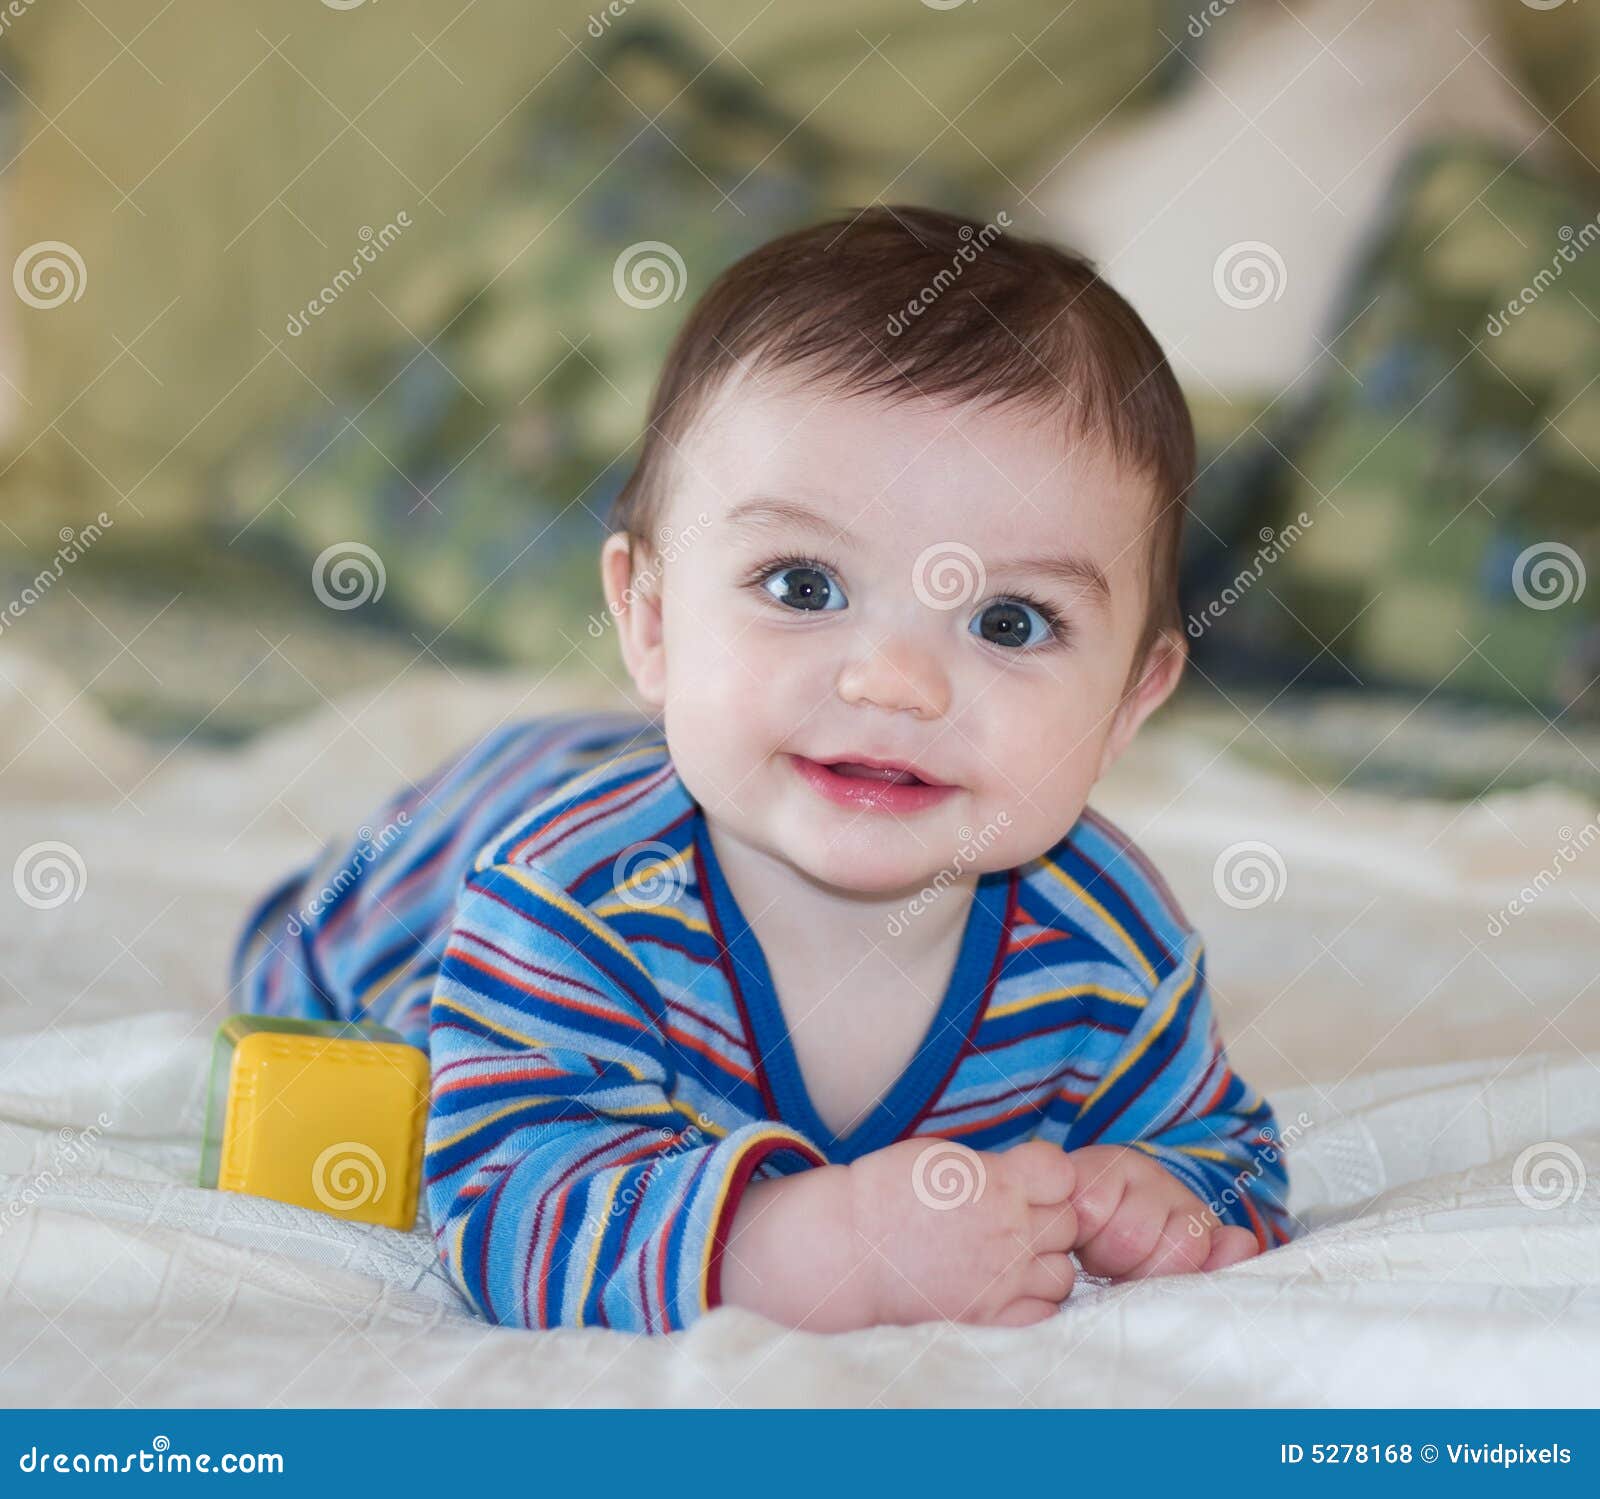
(1230, 1245)
(1043, 1171)
(1050, 1277)
(1181, 1249)
(1098, 1196)
(1052, 1228)
(1023, 1312)
(1126, 1241)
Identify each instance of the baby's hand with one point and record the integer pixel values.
(956, 1234)
(1136, 1219)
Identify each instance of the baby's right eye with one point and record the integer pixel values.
(806, 586)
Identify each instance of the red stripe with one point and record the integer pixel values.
(768, 1102)
(555, 999)
(981, 1011)
(742, 1173)
(634, 790)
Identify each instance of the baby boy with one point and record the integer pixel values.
(818, 989)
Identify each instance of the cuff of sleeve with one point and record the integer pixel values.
(786, 1149)
(1228, 1194)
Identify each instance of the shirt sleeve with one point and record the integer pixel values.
(1169, 1091)
(565, 1184)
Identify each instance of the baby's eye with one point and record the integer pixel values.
(801, 586)
(1012, 623)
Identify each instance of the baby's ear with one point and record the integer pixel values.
(1162, 670)
(633, 600)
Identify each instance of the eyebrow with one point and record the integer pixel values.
(1079, 573)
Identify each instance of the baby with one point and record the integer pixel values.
(820, 990)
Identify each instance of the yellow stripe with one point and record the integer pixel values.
(594, 1253)
(488, 1119)
(578, 913)
(1205, 1153)
(706, 1127)
(503, 1030)
(622, 908)
(486, 857)
(722, 1195)
(1133, 947)
(1018, 1005)
(377, 987)
(511, 1108)
(1144, 1045)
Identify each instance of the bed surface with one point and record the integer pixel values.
(1437, 1082)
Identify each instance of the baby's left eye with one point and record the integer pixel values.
(1011, 623)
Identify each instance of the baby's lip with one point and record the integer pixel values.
(889, 767)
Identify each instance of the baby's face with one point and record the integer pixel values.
(915, 618)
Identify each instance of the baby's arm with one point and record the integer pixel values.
(563, 1185)
(1180, 1167)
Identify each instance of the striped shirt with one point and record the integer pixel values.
(610, 1065)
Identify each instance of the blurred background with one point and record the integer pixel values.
(332, 326)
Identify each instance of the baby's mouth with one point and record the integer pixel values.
(887, 786)
(874, 773)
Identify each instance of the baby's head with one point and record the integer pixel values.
(911, 491)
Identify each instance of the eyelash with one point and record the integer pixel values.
(1060, 629)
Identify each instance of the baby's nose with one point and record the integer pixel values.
(897, 676)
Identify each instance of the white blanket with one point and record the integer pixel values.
(1437, 1083)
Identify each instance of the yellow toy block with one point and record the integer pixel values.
(322, 1114)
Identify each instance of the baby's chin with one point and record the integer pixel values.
(883, 861)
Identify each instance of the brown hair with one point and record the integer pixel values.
(905, 301)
